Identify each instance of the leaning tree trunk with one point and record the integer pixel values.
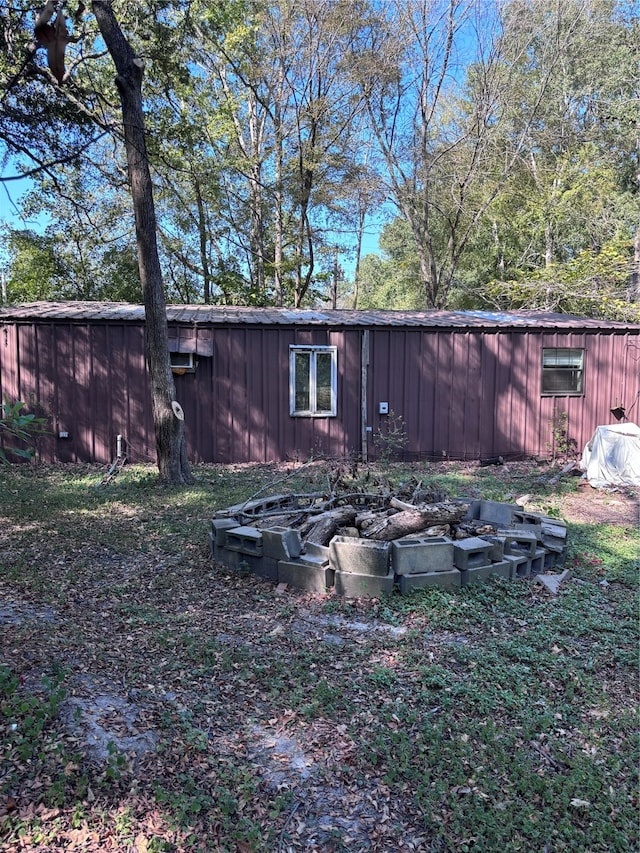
(167, 418)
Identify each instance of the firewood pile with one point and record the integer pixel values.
(383, 516)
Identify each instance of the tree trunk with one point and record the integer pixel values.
(322, 528)
(169, 427)
(202, 233)
(634, 278)
(412, 521)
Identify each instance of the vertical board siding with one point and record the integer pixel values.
(47, 390)
(139, 434)
(469, 394)
(630, 386)
(462, 393)
(248, 397)
(101, 393)
(117, 400)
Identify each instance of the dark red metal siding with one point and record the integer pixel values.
(472, 394)
(88, 380)
(434, 382)
(246, 403)
(46, 401)
(467, 393)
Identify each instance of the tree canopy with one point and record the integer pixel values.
(498, 141)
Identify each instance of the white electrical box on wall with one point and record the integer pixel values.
(383, 408)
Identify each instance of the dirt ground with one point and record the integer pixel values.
(597, 506)
(208, 685)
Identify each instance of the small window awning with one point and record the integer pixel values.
(191, 339)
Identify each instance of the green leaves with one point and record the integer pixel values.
(18, 425)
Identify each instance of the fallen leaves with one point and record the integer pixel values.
(287, 721)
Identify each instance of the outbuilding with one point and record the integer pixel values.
(276, 384)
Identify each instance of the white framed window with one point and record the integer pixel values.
(313, 376)
(182, 361)
(562, 370)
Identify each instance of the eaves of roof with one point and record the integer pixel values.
(215, 315)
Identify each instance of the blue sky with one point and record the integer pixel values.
(11, 193)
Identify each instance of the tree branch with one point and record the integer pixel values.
(44, 167)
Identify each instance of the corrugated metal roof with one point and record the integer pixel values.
(222, 314)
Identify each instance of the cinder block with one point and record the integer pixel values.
(555, 525)
(264, 567)
(421, 555)
(229, 559)
(359, 556)
(281, 543)
(520, 516)
(497, 513)
(519, 542)
(520, 566)
(353, 585)
(444, 580)
(473, 508)
(536, 529)
(219, 527)
(257, 507)
(471, 553)
(561, 557)
(554, 534)
(483, 573)
(245, 540)
(496, 554)
(501, 569)
(316, 554)
(313, 578)
(537, 562)
(212, 543)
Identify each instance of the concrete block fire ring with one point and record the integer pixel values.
(471, 553)
(281, 543)
(483, 573)
(352, 585)
(416, 555)
(305, 575)
(359, 556)
(451, 579)
(244, 540)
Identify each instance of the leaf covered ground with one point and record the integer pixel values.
(153, 701)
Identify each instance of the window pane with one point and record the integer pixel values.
(562, 358)
(562, 370)
(302, 377)
(559, 381)
(323, 382)
(180, 359)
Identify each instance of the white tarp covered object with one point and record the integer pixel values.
(612, 457)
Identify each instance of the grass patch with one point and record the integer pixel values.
(501, 718)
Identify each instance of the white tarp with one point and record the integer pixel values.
(612, 457)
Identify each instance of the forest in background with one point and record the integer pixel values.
(495, 146)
